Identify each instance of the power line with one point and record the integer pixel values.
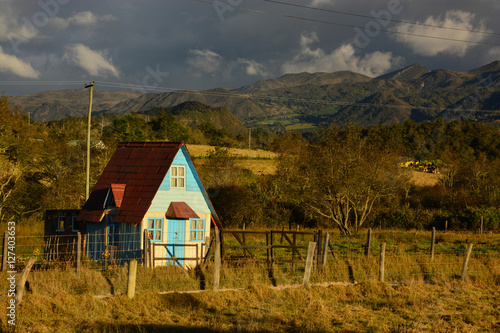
(344, 24)
(266, 97)
(486, 32)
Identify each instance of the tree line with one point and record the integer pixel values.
(347, 177)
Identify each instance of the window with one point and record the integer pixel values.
(60, 223)
(155, 231)
(178, 176)
(197, 231)
(75, 225)
(113, 233)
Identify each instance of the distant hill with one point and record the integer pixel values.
(380, 108)
(59, 104)
(413, 92)
(194, 114)
(241, 106)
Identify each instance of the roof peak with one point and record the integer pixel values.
(149, 144)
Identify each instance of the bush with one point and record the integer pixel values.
(468, 219)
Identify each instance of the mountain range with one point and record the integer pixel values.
(414, 92)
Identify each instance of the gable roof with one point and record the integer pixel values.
(133, 174)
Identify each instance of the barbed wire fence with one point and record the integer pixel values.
(277, 258)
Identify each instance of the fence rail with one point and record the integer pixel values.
(280, 257)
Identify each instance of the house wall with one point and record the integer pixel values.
(194, 195)
(52, 218)
(130, 242)
(96, 240)
(190, 251)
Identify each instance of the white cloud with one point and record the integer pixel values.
(12, 64)
(343, 58)
(253, 67)
(82, 19)
(456, 19)
(494, 53)
(204, 61)
(7, 21)
(15, 28)
(94, 62)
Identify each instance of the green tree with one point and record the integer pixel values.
(166, 127)
(340, 177)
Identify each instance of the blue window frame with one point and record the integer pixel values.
(197, 230)
(178, 176)
(155, 230)
(60, 223)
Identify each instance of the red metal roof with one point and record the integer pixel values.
(180, 210)
(118, 191)
(135, 171)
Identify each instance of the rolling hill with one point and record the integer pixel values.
(309, 99)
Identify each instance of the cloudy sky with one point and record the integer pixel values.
(153, 45)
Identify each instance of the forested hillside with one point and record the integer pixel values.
(309, 100)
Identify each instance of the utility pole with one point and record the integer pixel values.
(87, 184)
(249, 137)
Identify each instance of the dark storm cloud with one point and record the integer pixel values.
(194, 45)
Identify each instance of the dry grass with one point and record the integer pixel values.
(202, 150)
(365, 307)
(429, 297)
(259, 162)
(422, 179)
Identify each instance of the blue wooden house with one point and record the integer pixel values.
(148, 192)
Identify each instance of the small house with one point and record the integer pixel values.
(61, 230)
(149, 196)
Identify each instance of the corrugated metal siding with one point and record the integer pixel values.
(96, 240)
(130, 242)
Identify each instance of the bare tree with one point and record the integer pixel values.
(340, 177)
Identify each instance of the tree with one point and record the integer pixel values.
(166, 127)
(21, 173)
(340, 177)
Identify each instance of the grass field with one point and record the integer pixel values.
(264, 162)
(258, 161)
(421, 179)
(368, 306)
(422, 294)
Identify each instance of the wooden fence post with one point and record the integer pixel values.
(132, 273)
(433, 242)
(145, 247)
(481, 230)
(271, 251)
(368, 242)
(79, 255)
(446, 226)
(309, 262)
(319, 247)
(152, 248)
(382, 263)
(5, 251)
(217, 260)
(22, 281)
(325, 248)
(466, 262)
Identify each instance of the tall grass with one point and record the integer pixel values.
(423, 294)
